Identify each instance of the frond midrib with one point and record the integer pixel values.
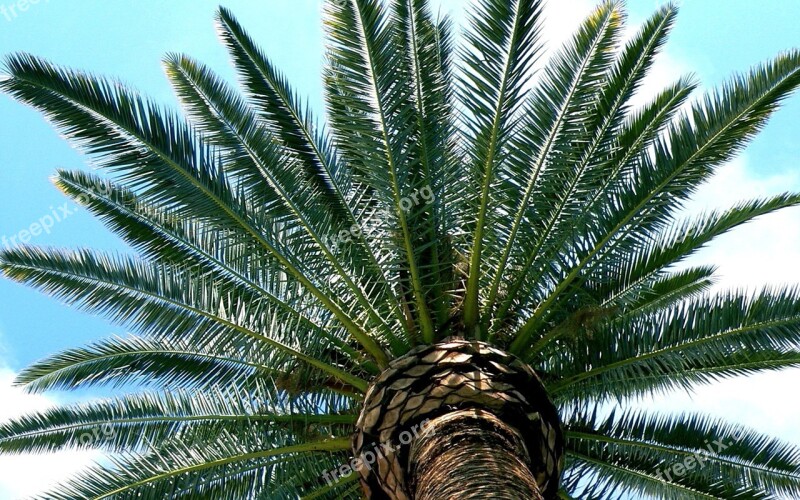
(327, 445)
(356, 382)
(685, 345)
(527, 329)
(255, 417)
(679, 451)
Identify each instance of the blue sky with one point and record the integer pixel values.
(128, 38)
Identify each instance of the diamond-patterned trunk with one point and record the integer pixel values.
(458, 412)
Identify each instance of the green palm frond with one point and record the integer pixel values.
(583, 76)
(502, 43)
(572, 81)
(717, 127)
(166, 363)
(675, 344)
(688, 377)
(427, 45)
(374, 82)
(280, 108)
(671, 288)
(137, 420)
(229, 466)
(164, 237)
(163, 300)
(721, 460)
(680, 240)
(200, 87)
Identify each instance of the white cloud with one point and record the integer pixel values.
(562, 19)
(26, 475)
(760, 253)
(665, 72)
(763, 252)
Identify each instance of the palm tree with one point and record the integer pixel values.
(440, 293)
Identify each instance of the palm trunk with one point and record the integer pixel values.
(488, 428)
(471, 454)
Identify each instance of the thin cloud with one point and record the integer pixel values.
(25, 475)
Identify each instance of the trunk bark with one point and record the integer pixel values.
(488, 428)
(470, 454)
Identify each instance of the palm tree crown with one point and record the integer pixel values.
(477, 192)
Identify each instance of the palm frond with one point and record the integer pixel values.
(723, 460)
(501, 44)
(366, 59)
(164, 237)
(279, 107)
(140, 361)
(424, 42)
(574, 80)
(688, 377)
(678, 242)
(671, 288)
(716, 129)
(162, 301)
(201, 88)
(676, 344)
(137, 421)
(233, 466)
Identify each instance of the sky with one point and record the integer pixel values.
(127, 39)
